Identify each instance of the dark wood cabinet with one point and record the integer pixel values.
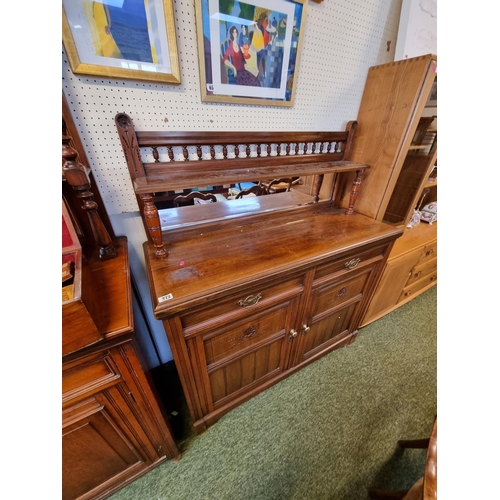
(251, 290)
(113, 430)
(233, 340)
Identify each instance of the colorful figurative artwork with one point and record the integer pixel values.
(121, 34)
(250, 48)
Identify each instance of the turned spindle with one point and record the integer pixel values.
(77, 176)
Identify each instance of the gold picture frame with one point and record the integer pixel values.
(249, 53)
(134, 41)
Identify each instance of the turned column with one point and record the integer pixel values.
(354, 191)
(318, 182)
(153, 224)
(77, 176)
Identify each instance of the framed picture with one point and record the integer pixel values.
(249, 51)
(131, 39)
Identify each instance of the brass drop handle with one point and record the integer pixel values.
(351, 264)
(305, 329)
(429, 252)
(292, 335)
(251, 300)
(418, 274)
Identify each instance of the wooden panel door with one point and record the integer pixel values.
(236, 359)
(112, 427)
(328, 321)
(102, 445)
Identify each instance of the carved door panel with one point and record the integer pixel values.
(102, 444)
(332, 306)
(239, 357)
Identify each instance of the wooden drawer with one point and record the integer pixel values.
(414, 288)
(347, 264)
(429, 252)
(240, 305)
(88, 375)
(421, 270)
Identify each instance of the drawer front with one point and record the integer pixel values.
(355, 261)
(330, 296)
(429, 253)
(421, 271)
(414, 288)
(243, 335)
(88, 374)
(239, 306)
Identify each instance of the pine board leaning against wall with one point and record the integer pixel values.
(342, 39)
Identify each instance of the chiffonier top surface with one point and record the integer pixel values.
(213, 262)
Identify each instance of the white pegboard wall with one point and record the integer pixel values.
(342, 39)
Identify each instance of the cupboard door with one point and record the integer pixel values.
(332, 307)
(102, 445)
(237, 358)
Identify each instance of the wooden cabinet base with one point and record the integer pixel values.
(238, 321)
(113, 430)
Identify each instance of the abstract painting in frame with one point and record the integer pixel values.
(249, 51)
(131, 39)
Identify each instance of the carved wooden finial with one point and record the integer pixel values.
(77, 176)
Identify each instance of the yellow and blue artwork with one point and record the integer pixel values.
(124, 34)
(121, 31)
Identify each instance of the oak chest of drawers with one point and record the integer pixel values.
(423, 274)
(411, 269)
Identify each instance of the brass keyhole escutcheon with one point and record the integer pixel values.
(249, 332)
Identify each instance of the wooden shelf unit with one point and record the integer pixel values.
(397, 136)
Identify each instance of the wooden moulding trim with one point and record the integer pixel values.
(430, 57)
(192, 138)
(179, 176)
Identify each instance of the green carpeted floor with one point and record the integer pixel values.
(326, 432)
